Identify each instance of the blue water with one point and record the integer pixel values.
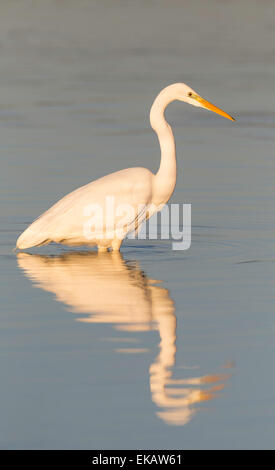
(154, 348)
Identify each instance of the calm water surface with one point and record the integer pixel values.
(153, 348)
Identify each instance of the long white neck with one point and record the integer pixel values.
(165, 179)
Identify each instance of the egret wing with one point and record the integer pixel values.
(126, 193)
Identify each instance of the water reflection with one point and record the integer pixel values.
(112, 290)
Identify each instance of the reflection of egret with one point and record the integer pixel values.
(143, 192)
(111, 290)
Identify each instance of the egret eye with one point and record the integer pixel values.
(190, 93)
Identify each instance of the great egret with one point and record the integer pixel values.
(138, 188)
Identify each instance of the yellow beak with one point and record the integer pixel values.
(211, 107)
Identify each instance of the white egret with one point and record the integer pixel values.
(137, 188)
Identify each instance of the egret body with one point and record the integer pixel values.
(137, 188)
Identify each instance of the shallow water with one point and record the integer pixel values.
(154, 348)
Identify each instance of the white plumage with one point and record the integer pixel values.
(136, 193)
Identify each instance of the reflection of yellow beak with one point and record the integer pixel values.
(211, 107)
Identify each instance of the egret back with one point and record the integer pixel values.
(64, 221)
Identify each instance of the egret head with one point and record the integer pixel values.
(186, 94)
